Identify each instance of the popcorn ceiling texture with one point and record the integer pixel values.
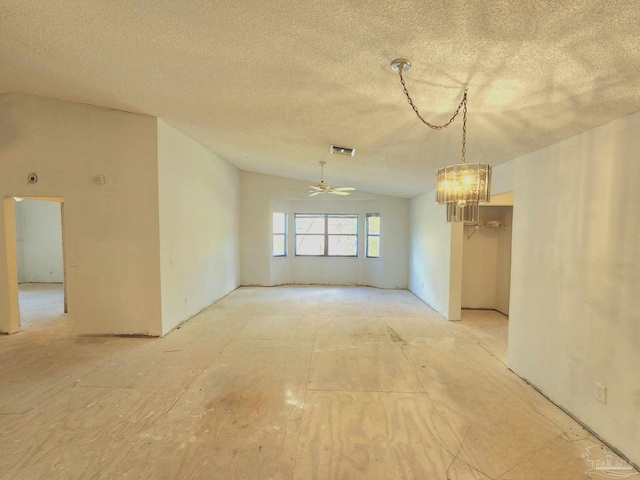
(269, 86)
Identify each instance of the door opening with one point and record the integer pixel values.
(486, 275)
(39, 227)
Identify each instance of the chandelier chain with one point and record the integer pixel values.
(464, 127)
(415, 109)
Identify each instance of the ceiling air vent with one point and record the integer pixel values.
(342, 150)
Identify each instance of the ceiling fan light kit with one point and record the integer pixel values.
(323, 187)
(461, 187)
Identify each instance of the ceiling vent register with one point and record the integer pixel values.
(342, 150)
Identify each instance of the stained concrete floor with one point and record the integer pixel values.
(283, 383)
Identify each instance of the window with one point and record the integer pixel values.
(373, 235)
(326, 235)
(279, 234)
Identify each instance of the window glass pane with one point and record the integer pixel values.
(279, 222)
(309, 224)
(373, 247)
(343, 245)
(309, 244)
(278, 245)
(344, 225)
(373, 225)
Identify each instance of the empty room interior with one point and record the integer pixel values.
(319, 240)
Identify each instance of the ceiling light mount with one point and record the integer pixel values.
(401, 64)
(461, 187)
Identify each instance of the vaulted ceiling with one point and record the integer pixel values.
(269, 85)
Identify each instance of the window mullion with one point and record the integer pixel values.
(326, 235)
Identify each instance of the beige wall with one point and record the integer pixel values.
(112, 239)
(435, 272)
(199, 226)
(575, 313)
(261, 195)
(9, 309)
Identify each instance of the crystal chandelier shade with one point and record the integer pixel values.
(462, 188)
(469, 214)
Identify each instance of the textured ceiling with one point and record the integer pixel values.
(269, 85)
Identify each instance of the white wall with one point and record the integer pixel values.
(435, 273)
(112, 232)
(261, 195)
(575, 309)
(199, 226)
(486, 264)
(39, 241)
(20, 241)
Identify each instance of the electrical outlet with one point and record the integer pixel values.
(600, 392)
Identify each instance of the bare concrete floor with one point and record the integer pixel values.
(40, 303)
(283, 383)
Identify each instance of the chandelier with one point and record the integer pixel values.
(461, 187)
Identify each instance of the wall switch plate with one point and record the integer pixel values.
(600, 392)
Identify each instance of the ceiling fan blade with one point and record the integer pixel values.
(337, 192)
(344, 189)
(315, 187)
(313, 194)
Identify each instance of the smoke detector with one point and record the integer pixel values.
(342, 150)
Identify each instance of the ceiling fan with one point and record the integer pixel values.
(323, 187)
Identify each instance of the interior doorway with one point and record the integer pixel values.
(486, 275)
(39, 260)
(486, 260)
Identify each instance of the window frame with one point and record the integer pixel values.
(326, 235)
(274, 235)
(367, 235)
